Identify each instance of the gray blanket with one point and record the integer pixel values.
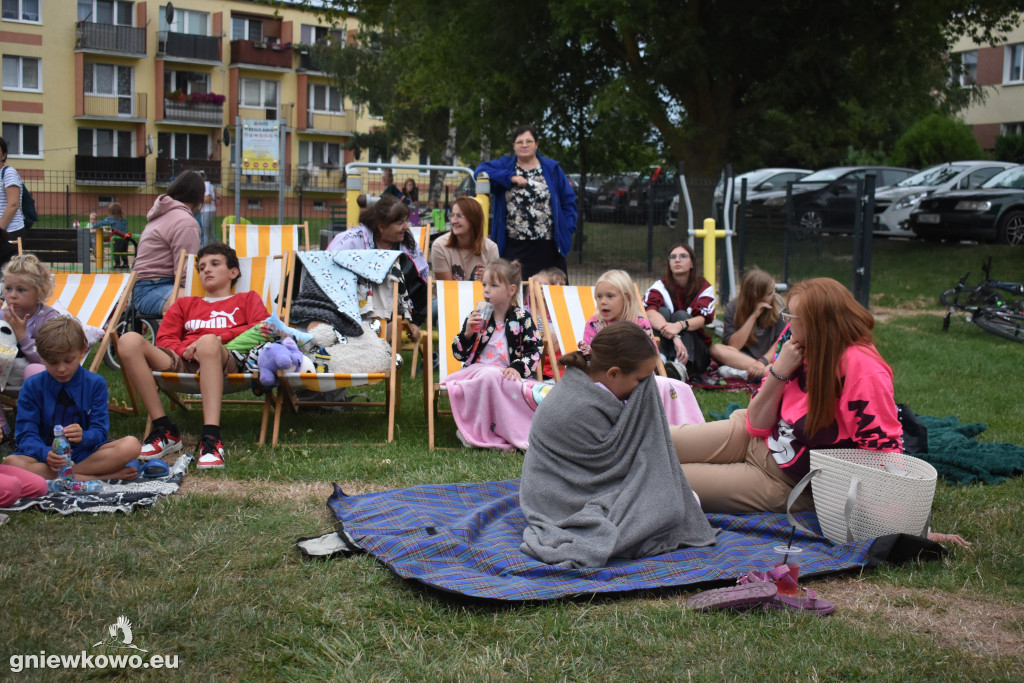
(601, 480)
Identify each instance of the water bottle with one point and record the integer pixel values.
(60, 485)
(62, 447)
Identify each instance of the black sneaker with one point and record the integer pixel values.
(211, 454)
(159, 444)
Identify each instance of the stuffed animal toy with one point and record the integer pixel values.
(271, 329)
(333, 352)
(284, 355)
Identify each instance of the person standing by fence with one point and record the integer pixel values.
(534, 206)
(209, 211)
(11, 218)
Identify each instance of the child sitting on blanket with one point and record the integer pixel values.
(69, 395)
(752, 323)
(600, 478)
(492, 397)
(616, 300)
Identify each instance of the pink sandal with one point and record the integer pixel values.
(739, 597)
(785, 602)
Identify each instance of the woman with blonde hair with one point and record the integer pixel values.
(827, 387)
(751, 324)
(464, 251)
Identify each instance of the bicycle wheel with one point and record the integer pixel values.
(948, 298)
(146, 329)
(1001, 323)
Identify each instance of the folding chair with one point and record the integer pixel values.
(97, 300)
(257, 274)
(568, 308)
(421, 233)
(266, 240)
(323, 382)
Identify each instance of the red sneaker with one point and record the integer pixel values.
(211, 454)
(160, 444)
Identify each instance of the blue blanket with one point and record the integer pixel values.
(464, 538)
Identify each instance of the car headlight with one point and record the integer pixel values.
(775, 201)
(973, 205)
(910, 201)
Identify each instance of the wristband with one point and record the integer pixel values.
(686, 324)
(779, 377)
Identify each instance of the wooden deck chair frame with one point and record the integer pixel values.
(286, 397)
(422, 235)
(173, 384)
(265, 239)
(465, 294)
(557, 300)
(97, 300)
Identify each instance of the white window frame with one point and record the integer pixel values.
(968, 78)
(306, 148)
(312, 34)
(188, 153)
(1016, 128)
(340, 111)
(115, 145)
(21, 140)
(180, 23)
(93, 14)
(247, 29)
(21, 12)
(1013, 64)
(115, 67)
(263, 94)
(178, 79)
(21, 73)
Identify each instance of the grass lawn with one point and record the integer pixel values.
(212, 575)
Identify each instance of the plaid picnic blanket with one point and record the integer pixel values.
(115, 497)
(464, 538)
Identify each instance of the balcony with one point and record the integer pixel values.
(201, 113)
(261, 54)
(328, 124)
(169, 168)
(108, 38)
(268, 113)
(110, 170)
(318, 178)
(123, 107)
(314, 60)
(188, 46)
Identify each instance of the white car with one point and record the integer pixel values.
(894, 204)
(759, 181)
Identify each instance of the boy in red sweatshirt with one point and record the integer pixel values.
(191, 338)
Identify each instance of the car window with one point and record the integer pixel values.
(823, 176)
(980, 176)
(851, 178)
(1010, 178)
(890, 176)
(930, 177)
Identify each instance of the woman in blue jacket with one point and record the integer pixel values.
(534, 206)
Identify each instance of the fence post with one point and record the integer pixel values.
(83, 250)
(650, 225)
(741, 224)
(787, 239)
(353, 188)
(863, 226)
(483, 196)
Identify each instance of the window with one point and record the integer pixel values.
(21, 10)
(254, 92)
(111, 80)
(254, 204)
(103, 142)
(319, 205)
(1012, 129)
(1014, 64)
(243, 28)
(117, 12)
(325, 99)
(188, 82)
(186, 21)
(22, 73)
(968, 75)
(23, 140)
(182, 146)
(311, 34)
(321, 154)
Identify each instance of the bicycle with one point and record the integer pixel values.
(131, 321)
(987, 305)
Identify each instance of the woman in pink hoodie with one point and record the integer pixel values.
(172, 227)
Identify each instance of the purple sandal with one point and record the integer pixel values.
(741, 597)
(785, 602)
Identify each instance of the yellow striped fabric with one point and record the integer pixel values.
(261, 274)
(455, 301)
(90, 298)
(263, 240)
(569, 307)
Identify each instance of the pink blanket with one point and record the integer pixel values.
(493, 412)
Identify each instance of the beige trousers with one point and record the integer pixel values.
(731, 471)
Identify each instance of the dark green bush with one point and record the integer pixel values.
(935, 139)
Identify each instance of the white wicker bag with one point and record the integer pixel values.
(861, 494)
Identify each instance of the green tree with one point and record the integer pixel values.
(1009, 148)
(935, 139)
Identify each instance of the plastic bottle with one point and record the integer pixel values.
(62, 447)
(63, 485)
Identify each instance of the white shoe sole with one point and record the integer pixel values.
(172, 448)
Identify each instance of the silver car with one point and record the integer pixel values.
(894, 204)
(759, 181)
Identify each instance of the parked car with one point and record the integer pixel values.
(992, 212)
(652, 189)
(586, 199)
(824, 201)
(611, 201)
(758, 182)
(894, 204)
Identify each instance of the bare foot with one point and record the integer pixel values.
(949, 538)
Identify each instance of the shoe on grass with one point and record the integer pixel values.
(211, 454)
(160, 444)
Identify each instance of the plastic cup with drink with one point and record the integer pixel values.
(486, 310)
(789, 556)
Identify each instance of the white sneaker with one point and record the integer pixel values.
(729, 372)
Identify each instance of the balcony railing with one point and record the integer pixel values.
(204, 113)
(188, 46)
(120, 106)
(110, 170)
(267, 113)
(314, 60)
(110, 38)
(263, 54)
(333, 123)
(169, 168)
(315, 178)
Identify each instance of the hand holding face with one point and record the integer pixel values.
(790, 358)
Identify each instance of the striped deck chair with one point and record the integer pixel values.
(422, 235)
(321, 383)
(258, 273)
(568, 307)
(266, 240)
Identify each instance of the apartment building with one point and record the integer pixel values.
(1000, 70)
(116, 93)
